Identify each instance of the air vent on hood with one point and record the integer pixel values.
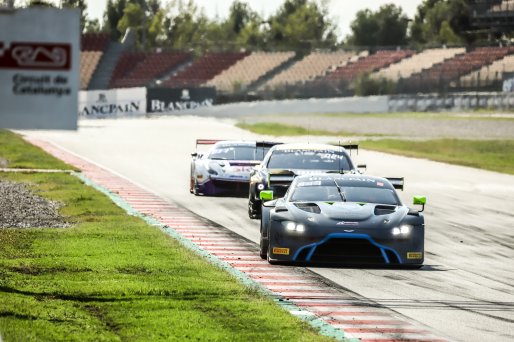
(384, 209)
(309, 207)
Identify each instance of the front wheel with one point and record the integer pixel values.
(263, 250)
(254, 209)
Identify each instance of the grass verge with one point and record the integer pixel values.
(277, 130)
(111, 276)
(20, 154)
(493, 155)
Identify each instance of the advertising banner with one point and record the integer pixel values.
(39, 68)
(113, 102)
(163, 100)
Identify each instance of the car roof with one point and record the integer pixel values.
(307, 146)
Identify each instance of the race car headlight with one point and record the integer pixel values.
(212, 172)
(293, 226)
(403, 230)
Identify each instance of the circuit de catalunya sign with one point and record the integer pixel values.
(39, 68)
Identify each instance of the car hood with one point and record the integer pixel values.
(347, 213)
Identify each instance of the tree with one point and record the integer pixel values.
(442, 22)
(80, 4)
(385, 27)
(113, 14)
(302, 25)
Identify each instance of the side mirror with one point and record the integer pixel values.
(362, 167)
(266, 195)
(420, 200)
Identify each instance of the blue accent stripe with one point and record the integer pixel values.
(313, 246)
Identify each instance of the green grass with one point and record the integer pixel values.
(494, 155)
(112, 277)
(20, 154)
(277, 130)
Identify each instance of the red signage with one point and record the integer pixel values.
(35, 56)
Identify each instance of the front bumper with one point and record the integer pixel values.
(216, 186)
(349, 249)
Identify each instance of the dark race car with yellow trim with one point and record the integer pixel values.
(350, 219)
(286, 161)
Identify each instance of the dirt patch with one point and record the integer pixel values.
(21, 208)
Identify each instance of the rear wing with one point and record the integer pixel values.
(206, 141)
(397, 182)
(350, 147)
(266, 143)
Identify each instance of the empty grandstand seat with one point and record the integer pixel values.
(126, 63)
(204, 69)
(416, 63)
(249, 70)
(489, 73)
(311, 66)
(94, 41)
(88, 63)
(462, 64)
(150, 67)
(369, 64)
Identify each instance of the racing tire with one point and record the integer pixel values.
(263, 249)
(263, 244)
(253, 212)
(195, 188)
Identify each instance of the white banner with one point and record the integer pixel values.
(113, 102)
(39, 68)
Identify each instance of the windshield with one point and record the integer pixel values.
(312, 192)
(316, 194)
(309, 160)
(238, 153)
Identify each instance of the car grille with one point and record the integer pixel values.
(350, 251)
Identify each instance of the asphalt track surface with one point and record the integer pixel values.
(465, 291)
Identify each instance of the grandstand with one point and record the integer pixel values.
(204, 69)
(453, 69)
(93, 46)
(148, 67)
(311, 66)
(369, 64)
(124, 66)
(417, 63)
(489, 74)
(248, 70)
(494, 16)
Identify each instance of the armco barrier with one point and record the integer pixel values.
(200, 101)
(451, 102)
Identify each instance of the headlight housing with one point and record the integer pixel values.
(402, 231)
(291, 226)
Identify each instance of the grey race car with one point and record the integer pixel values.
(283, 162)
(349, 219)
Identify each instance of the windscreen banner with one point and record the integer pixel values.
(166, 100)
(39, 68)
(112, 102)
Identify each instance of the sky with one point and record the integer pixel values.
(342, 11)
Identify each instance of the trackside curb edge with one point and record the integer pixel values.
(323, 327)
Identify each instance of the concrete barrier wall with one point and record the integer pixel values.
(371, 104)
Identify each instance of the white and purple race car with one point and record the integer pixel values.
(226, 167)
